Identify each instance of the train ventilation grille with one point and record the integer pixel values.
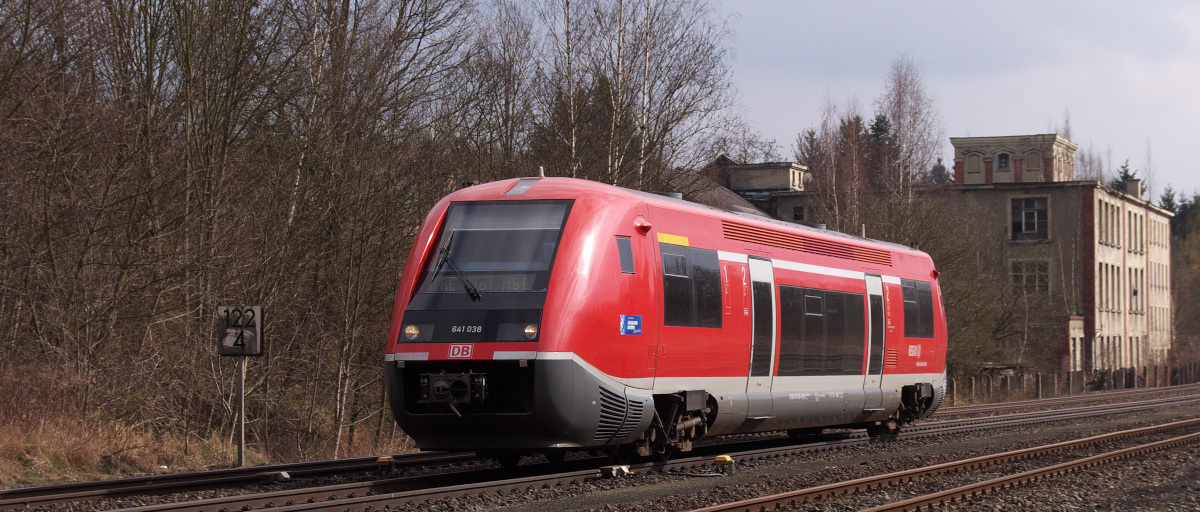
(811, 245)
(889, 360)
(633, 413)
(612, 415)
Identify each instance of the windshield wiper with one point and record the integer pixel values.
(444, 258)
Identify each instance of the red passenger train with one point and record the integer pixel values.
(543, 315)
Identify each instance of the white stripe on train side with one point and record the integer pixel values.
(806, 267)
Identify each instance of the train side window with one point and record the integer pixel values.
(835, 332)
(814, 333)
(625, 250)
(691, 287)
(706, 278)
(918, 308)
(856, 321)
(925, 299)
(821, 332)
(677, 286)
(791, 329)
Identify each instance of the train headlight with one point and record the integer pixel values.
(411, 332)
(531, 331)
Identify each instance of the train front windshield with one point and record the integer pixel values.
(497, 246)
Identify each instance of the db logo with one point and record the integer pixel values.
(460, 350)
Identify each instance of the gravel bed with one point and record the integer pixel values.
(663, 492)
(1168, 480)
(862, 461)
(295, 483)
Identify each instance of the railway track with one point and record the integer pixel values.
(182, 482)
(187, 482)
(397, 491)
(799, 497)
(997, 484)
(959, 410)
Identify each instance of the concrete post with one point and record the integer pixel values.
(971, 387)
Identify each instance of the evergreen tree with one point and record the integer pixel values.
(1167, 200)
(939, 175)
(1183, 213)
(1124, 176)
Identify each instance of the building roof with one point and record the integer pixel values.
(1038, 139)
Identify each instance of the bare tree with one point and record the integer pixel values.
(1064, 130)
(741, 142)
(1090, 164)
(1149, 171)
(159, 158)
(916, 124)
(492, 110)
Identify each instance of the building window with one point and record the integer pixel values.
(1031, 277)
(974, 163)
(1002, 162)
(1029, 219)
(798, 213)
(1032, 162)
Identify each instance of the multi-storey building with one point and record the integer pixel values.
(1105, 253)
(1092, 263)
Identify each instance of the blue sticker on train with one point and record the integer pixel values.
(631, 324)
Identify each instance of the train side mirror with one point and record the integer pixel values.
(641, 225)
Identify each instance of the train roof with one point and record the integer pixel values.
(662, 200)
(770, 220)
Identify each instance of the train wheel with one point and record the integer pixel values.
(798, 432)
(621, 455)
(508, 459)
(556, 456)
(664, 455)
(885, 428)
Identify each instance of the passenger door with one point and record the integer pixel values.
(875, 340)
(762, 346)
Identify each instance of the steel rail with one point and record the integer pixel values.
(1116, 407)
(1039, 402)
(178, 482)
(967, 492)
(375, 494)
(949, 427)
(798, 497)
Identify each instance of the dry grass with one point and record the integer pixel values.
(59, 449)
(45, 437)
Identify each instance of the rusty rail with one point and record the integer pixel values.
(24, 497)
(161, 484)
(376, 494)
(794, 498)
(967, 492)
(1062, 400)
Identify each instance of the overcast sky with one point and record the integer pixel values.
(1128, 72)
